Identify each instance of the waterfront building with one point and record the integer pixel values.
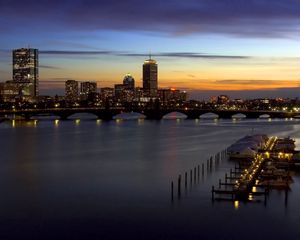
(107, 93)
(171, 95)
(11, 90)
(25, 70)
(223, 99)
(119, 92)
(71, 90)
(87, 89)
(150, 83)
(213, 99)
(8, 91)
(138, 94)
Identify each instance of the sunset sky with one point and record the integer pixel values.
(244, 48)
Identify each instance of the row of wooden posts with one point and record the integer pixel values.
(194, 174)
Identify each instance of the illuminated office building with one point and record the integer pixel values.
(87, 89)
(150, 78)
(71, 90)
(25, 71)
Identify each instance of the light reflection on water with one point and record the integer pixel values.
(70, 179)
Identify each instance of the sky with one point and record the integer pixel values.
(243, 48)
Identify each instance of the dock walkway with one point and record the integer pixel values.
(243, 182)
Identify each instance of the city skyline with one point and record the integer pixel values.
(243, 50)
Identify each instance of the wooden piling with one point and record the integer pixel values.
(213, 193)
(207, 164)
(195, 175)
(172, 190)
(266, 194)
(185, 179)
(202, 169)
(179, 186)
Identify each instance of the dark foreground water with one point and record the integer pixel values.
(111, 180)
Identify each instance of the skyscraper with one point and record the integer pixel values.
(25, 70)
(128, 82)
(150, 77)
(71, 90)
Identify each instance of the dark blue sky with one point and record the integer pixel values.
(203, 45)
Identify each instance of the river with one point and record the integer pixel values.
(90, 179)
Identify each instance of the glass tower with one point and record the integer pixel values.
(25, 70)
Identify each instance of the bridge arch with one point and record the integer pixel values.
(129, 116)
(209, 115)
(238, 116)
(264, 116)
(16, 117)
(83, 116)
(175, 115)
(42, 116)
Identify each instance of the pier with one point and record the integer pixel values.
(257, 176)
(251, 179)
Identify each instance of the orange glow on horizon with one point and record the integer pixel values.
(232, 85)
(222, 75)
(235, 85)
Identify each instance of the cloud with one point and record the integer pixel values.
(191, 76)
(63, 52)
(193, 55)
(247, 94)
(269, 84)
(255, 84)
(49, 67)
(254, 18)
(231, 85)
(259, 82)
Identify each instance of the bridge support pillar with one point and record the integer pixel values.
(64, 116)
(106, 117)
(27, 116)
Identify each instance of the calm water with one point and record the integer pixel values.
(111, 180)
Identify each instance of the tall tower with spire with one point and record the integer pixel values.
(150, 83)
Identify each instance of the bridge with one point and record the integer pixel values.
(155, 114)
